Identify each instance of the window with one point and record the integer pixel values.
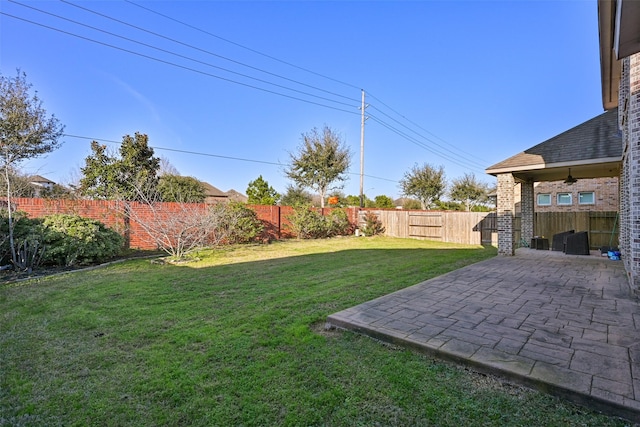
(544, 199)
(586, 198)
(564, 199)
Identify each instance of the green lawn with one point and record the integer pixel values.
(237, 338)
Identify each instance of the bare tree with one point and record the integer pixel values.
(167, 168)
(179, 228)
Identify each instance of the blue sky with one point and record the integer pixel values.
(462, 84)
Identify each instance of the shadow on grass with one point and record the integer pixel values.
(235, 344)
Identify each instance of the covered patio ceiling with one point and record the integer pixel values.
(592, 149)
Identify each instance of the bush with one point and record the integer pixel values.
(337, 223)
(372, 225)
(308, 223)
(28, 236)
(238, 223)
(72, 239)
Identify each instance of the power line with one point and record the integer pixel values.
(441, 153)
(198, 153)
(242, 46)
(471, 161)
(467, 159)
(203, 50)
(177, 65)
(180, 55)
(422, 145)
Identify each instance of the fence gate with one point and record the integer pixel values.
(425, 225)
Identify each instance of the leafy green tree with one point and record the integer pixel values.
(137, 168)
(469, 191)
(25, 132)
(259, 192)
(181, 189)
(321, 162)
(426, 183)
(129, 176)
(99, 175)
(383, 201)
(295, 196)
(352, 200)
(447, 205)
(411, 205)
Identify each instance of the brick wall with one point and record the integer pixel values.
(606, 192)
(128, 218)
(526, 211)
(629, 120)
(505, 211)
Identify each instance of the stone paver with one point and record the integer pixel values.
(566, 324)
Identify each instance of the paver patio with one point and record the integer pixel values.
(565, 324)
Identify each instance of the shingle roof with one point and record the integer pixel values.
(596, 140)
(211, 191)
(237, 196)
(40, 179)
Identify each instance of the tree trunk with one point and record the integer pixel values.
(10, 217)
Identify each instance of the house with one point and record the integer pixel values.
(592, 195)
(237, 196)
(40, 183)
(215, 195)
(619, 30)
(605, 146)
(590, 150)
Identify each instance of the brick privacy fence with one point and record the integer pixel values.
(112, 214)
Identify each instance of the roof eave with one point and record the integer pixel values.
(609, 64)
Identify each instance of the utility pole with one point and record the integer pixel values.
(362, 152)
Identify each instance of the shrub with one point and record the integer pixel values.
(28, 236)
(308, 223)
(238, 223)
(372, 225)
(72, 239)
(337, 223)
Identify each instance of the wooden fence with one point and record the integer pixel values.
(472, 228)
(455, 227)
(481, 227)
(603, 227)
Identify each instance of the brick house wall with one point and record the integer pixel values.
(606, 195)
(505, 207)
(629, 122)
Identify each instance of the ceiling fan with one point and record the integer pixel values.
(570, 180)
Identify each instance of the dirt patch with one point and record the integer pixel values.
(321, 327)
